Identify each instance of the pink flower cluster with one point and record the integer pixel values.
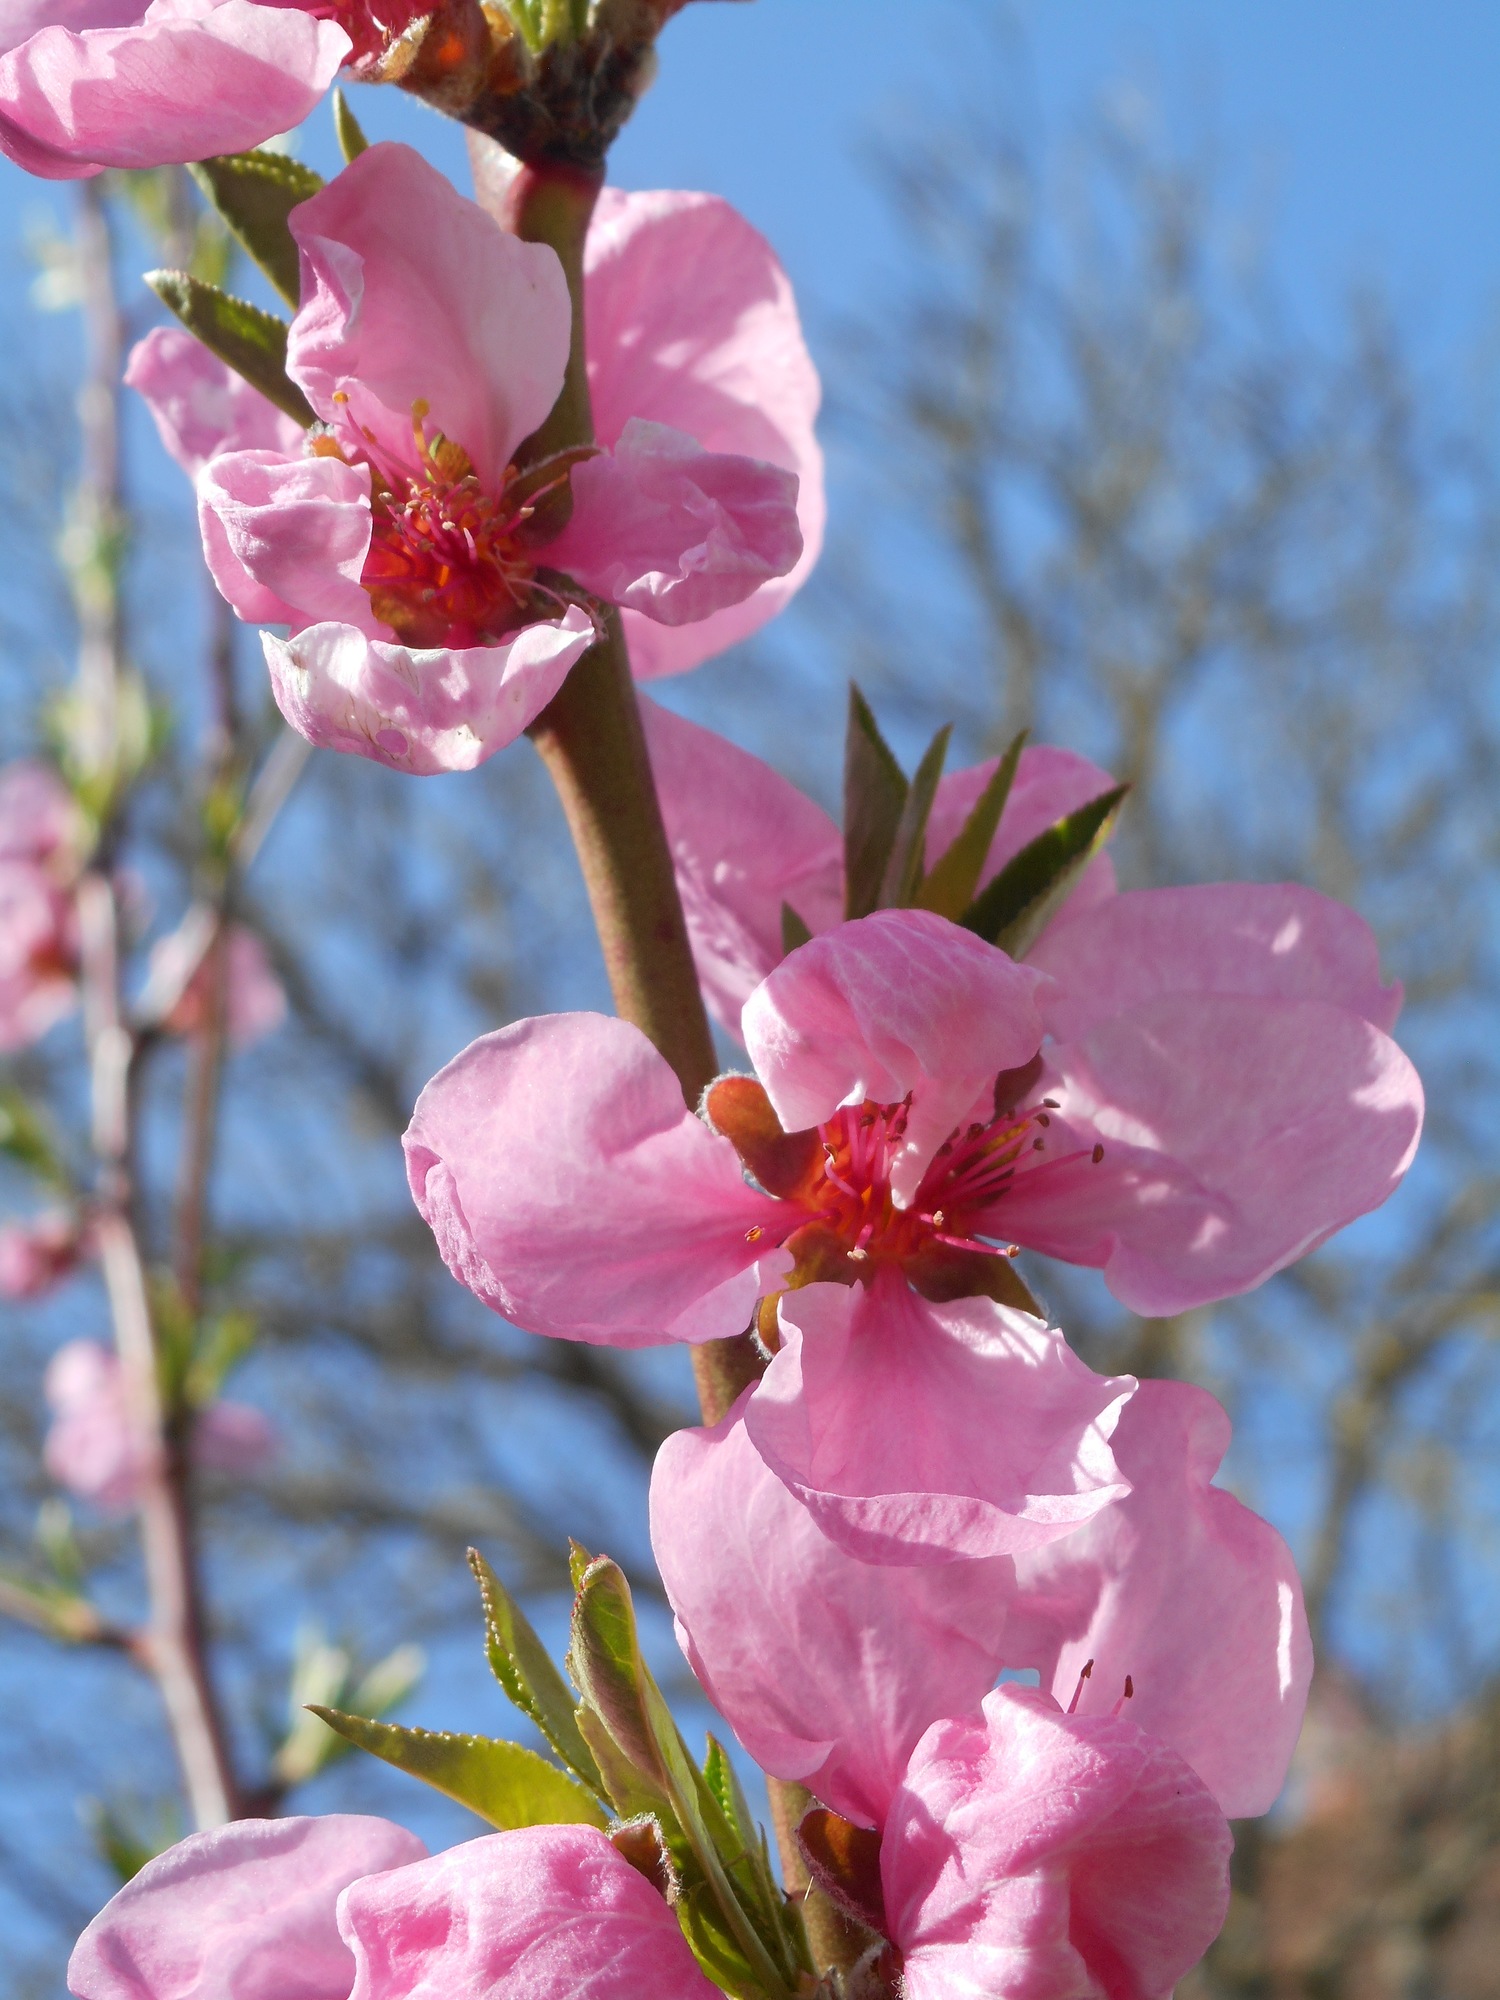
(986, 1604)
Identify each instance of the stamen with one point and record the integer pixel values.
(1129, 1695)
(1097, 1155)
(1088, 1668)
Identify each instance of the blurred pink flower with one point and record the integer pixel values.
(1028, 1851)
(704, 401)
(41, 851)
(256, 1001)
(1187, 1088)
(96, 1452)
(86, 84)
(830, 1669)
(348, 1908)
(431, 616)
(40, 1253)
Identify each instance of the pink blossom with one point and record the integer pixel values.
(910, 1110)
(691, 322)
(431, 613)
(42, 840)
(346, 1908)
(705, 403)
(830, 1668)
(86, 84)
(38, 1254)
(248, 1909)
(94, 1448)
(745, 841)
(256, 1003)
(1032, 1852)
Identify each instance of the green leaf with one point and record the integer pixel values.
(251, 342)
(255, 193)
(903, 869)
(24, 1138)
(793, 931)
(505, 1783)
(952, 879)
(1012, 911)
(874, 797)
(352, 141)
(521, 1664)
(605, 1660)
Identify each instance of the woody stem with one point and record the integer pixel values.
(591, 740)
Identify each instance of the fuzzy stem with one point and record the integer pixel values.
(591, 740)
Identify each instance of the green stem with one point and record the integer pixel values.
(591, 740)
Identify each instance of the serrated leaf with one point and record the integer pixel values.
(949, 885)
(255, 193)
(1012, 911)
(903, 869)
(251, 342)
(874, 796)
(606, 1662)
(523, 1667)
(352, 141)
(793, 931)
(505, 1783)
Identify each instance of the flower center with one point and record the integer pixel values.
(450, 564)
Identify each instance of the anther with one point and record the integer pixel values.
(1097, 1155)
(1088, 1668)
(1129, 1695)
(1037, 1144)
(1042, 1118)
(754, 1233)
(938, 1218)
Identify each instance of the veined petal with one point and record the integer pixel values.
(148, 86)
(1266, 940)
(420, 711)
(412, 294)
(918, 1433)
(744, 841)
(286, 538)
(691, 322)
(247, 1909)
(1238, 1134)
(1040, 1854)
(1192, 1595)
(542, 1913)
(665, 528)
(570, 1188)
(899, 1001)
(829, 1669)
(200, 406)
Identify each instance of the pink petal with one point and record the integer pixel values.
(233, 1438)
(829, 1669)
(1047, 784)
(1273, 941)
(1238, 1134)
(38, 1254)
(286, 538)
(150, 86)
(420, 711)
(38, 949)
(39, 818)
(916, 1433)
(545, 1913)
(92, 1448)
(247, 1909)
(665, 528)
(200, 406)
(571, 1190)
(896, 1002)
(691, 322)
(256, 1000)
(1193, 1596)
(744, 842)
(412, 294)
(1050, 1856)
